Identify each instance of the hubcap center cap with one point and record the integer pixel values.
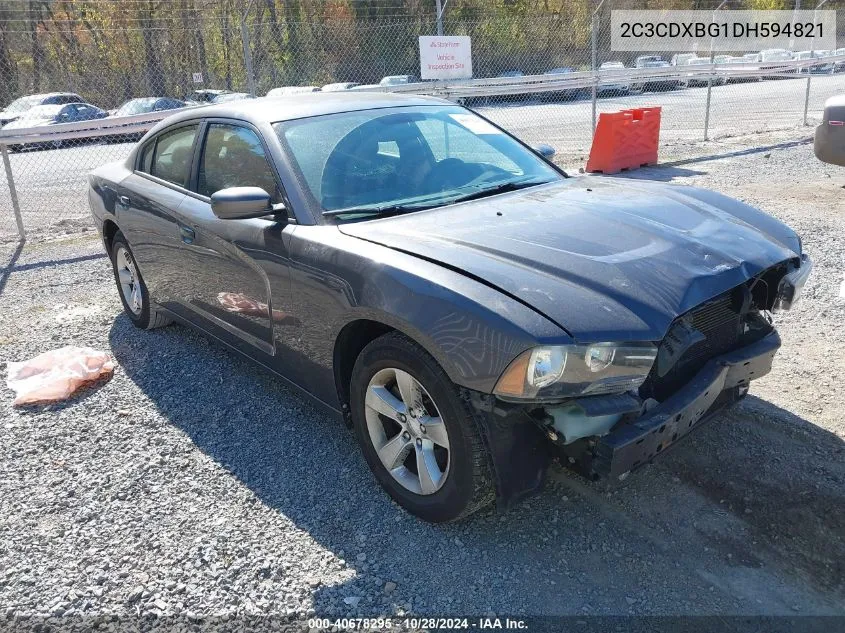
(414, 426)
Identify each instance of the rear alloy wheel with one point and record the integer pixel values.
(419, 437)
(133, 292)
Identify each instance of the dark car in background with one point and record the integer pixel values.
(45, 115)
(20, 106)
(465, 306)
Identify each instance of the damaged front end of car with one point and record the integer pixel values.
(606, 408)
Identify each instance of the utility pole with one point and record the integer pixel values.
(250, 73)
(440, 7)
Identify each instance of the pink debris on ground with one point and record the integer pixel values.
(56, 375)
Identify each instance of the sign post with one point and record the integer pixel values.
(445, 57)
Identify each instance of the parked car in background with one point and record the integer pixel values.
(682, 59)
(21, 105)
(142, 105)
(772, 60)
(340, 86)
(746, 61)
(657, 83)
(292, 90)
(45, 115)
(460, 302)
(614, 87)
(839, 66)
(367, 88)
(398, 80)
(568, 94)
(209, 95)
(817, 69)
(829, 143)
(714, 78)
(233, 96)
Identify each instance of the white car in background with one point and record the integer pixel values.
(286, 91)
(702, 78)
(682, 59)
(339, 86)
(772, 59)
(614, 87)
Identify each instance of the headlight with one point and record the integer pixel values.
(549, 373)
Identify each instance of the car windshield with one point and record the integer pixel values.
(136, 106)
(404, 159)
(23, 104)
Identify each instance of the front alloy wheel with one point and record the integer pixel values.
(420, 437)
(407, 431)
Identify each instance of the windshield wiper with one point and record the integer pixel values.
(386, 210)
(500, 188)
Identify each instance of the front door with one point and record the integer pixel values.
(236, 271)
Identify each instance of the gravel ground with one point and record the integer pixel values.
(192, 484)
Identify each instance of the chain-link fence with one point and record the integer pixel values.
(92, 61)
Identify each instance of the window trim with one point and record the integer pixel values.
(153, 142)
(200, 146)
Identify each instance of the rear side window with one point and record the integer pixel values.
(171, 159)
(234, 157)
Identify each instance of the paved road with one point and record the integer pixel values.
(51, 184)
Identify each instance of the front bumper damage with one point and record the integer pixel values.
(721, 382)
(519, 440)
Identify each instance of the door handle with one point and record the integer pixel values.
(188, 234)
(124, 201)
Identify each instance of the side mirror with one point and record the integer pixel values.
(545, 150)
(239, 203)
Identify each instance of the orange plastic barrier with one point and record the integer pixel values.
(625, 140)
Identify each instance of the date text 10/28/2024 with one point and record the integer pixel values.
(415, 623)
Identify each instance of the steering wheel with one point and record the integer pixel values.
(448, 173)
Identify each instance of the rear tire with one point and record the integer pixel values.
(446, 472)
(131, 288)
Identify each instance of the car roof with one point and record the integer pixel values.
(263, 110)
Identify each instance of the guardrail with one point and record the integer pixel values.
(454, 90)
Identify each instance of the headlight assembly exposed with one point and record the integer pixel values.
(563, 371)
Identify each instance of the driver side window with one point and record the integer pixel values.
(234, 157)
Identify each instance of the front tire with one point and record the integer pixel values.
(420, 438)
(143, 313)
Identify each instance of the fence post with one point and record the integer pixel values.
(250, 75)
(594, 62)
(13, 193)
(807, 93)
(707, 109)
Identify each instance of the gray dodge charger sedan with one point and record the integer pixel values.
(442, 288)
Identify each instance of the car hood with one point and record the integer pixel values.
(604, 258)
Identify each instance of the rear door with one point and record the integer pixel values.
(236, 270)
(147, 204)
